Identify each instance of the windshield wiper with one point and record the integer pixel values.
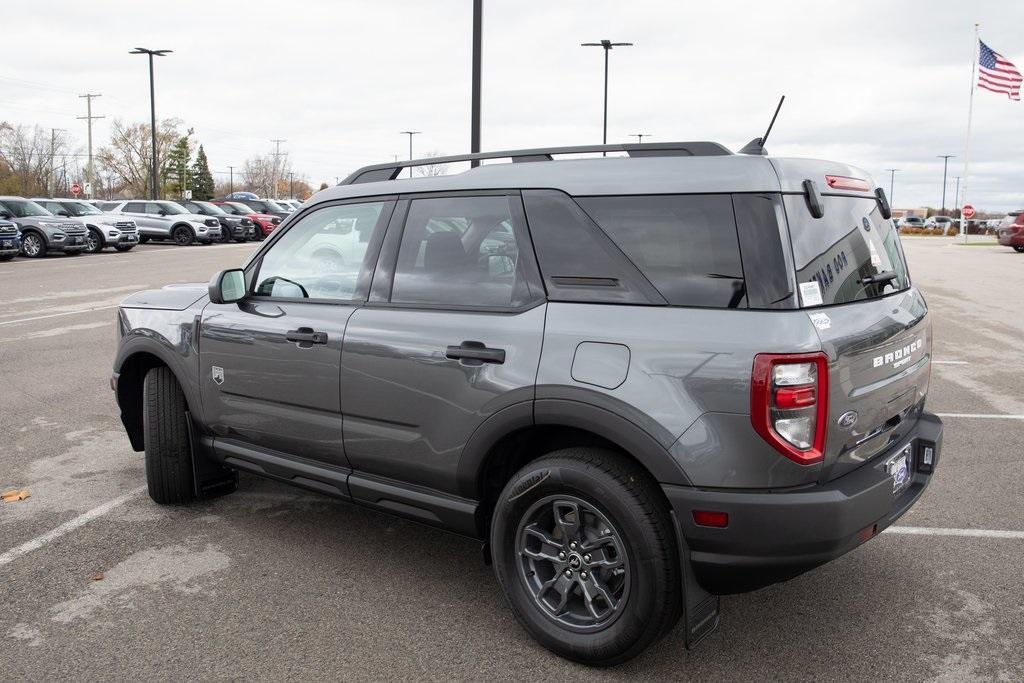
(879, 278)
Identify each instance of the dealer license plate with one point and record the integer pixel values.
(899, 467)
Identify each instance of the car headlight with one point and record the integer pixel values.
(59, 235)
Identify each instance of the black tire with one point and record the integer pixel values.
(143, 239)
(183, 236)
(76, 252)
(124, 247)
(94, 240)
(169, 473)
(1019, 249)
(6, 257)
(617, 494)
(33, 245)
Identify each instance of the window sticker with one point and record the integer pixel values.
(820, 320)
(810, 293)
(876, 260)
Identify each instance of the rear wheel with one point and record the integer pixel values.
(33, 245)
(169, 475)
(584, 549)
(1019, 249)
(93, 241)
(183, 236)
(124, 247)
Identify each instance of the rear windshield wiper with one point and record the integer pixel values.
(879, 278)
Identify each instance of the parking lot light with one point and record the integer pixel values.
(152, 108)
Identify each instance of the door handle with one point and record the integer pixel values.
(475, 351)
(306, 337)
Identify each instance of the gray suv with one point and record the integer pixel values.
(641, 381)
(165, 220)
(104, 229)
(41, 231)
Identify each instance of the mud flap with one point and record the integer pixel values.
(700, 608)
(211, 478)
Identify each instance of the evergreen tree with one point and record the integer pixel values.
(201, 182)
(175, 167)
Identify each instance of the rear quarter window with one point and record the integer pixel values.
(686, 245)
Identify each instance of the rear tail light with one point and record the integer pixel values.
(789, 403)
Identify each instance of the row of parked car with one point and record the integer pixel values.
(34, 227)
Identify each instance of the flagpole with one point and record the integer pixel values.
(967, 144)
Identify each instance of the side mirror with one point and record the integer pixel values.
(227, 286)
(5, 215)
(64, 213)
(162, 212)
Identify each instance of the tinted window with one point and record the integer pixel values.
(686, 245)
(577, 260)
(836, 252)
(135, 207)
(460, 251)
(760, 224)
(323, 255)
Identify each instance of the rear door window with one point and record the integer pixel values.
(686, 245)
(837, 255)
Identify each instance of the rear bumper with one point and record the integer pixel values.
(775, 536)
(1011, 239)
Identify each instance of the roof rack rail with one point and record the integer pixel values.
(390, 171)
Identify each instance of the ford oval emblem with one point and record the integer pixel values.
(847, 419)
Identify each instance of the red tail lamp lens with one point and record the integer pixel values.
(712, 518)
(838, 182)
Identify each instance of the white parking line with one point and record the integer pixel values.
(951, 362)
(55, 315)
(983, 416)
(939, 531)
(67, 527)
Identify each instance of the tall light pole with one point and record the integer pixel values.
(607, 45)
(474, 105)
(89, 119)
(945, 163)
(640, 137)
(956, 193)
(892, 182)
(152, 108)
(410, 133)
(231, 179)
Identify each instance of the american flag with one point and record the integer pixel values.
(998, 74)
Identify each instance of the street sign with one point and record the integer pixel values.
(187, 194)
(76, 189)
(968, 211)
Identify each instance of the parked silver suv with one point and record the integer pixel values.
(104, 229)
(166, 220)
(641, 382)
(41, 231)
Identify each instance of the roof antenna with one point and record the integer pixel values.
(756, 146)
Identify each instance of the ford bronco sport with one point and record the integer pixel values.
(642, 381)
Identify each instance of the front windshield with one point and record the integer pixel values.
(23, 208)
(212, 209)
(81, 209)
(241, 208)
(172, 209)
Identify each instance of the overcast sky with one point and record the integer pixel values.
(880, 84)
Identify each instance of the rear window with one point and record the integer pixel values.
(834, 254)
(686, 245)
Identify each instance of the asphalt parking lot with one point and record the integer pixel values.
(272, 582)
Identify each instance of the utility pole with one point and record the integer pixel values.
(474, 127)
(51, 184)
(410, 133)
(892, 182)
(640, 137)
(276, 160)
(337, 179)
(89, 119)
(291, 184)
(956, 194)
(231, 179)
(152, 109)
(945, 162)
(607, 45)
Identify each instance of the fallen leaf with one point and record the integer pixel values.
(98, 576)
(15, 495)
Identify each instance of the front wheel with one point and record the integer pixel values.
(33, 246)
(93, 241)
(182, 236)
(584, 548)
(169, 475)
(1019, 249)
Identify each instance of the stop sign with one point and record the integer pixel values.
(968, 211)
(76, 189)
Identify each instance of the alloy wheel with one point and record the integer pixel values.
(182, 236)
(92, 242)
(31, 245)
(573, 563)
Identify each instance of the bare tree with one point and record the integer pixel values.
(259, 174)
(129, 156)
(36, 157)
(431, 170)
